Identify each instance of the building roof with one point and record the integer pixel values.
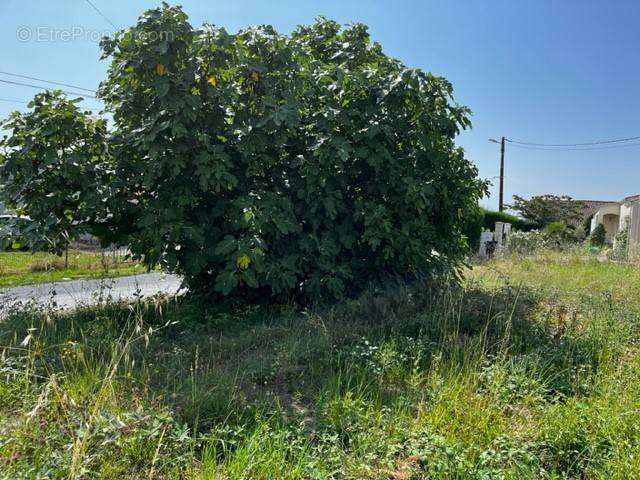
(630, 198)
(591, 207)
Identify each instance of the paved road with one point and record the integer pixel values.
(74, 293)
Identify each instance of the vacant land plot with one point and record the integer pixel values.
(531, 370)
(23, 268)
(565, 273)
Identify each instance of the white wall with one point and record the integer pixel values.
(633, 240)
(609, 216)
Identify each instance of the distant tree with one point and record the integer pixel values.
(52, 169)
(545, 209)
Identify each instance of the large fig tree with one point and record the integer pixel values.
(259, 163)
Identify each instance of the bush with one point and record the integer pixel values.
(586, 225)
(526, 243)
(598, 236)
(473, 227)
(491, 217)
(555, 236)
(259, 164)
(558, 235)
(621, 243)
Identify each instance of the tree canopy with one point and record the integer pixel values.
(53, 170)
(258, 163)
(546, 209)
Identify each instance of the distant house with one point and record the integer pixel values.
(589, 209)
(614, 215)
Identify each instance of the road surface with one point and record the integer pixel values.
(74, 293)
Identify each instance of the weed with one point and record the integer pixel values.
(500, 378)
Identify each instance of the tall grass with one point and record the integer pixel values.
(498, 381)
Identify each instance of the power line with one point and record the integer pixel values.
(39, 87)
(601, 142)
(23, 102)
(10, 100)
(560, 147)
(573, 149)
(47, 81)
(102, 14)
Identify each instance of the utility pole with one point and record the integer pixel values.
(501, 204)
(501, 199)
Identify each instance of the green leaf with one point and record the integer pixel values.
(226, 281)
(249, 278)
(226, 246)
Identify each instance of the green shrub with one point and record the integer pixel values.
(555, 236)
(491, 217)
(586, 224)
(259, 164)
(598, 236)
(474, 223)
(526, 243)
(621, 242)
(558, 235)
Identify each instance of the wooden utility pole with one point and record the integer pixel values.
(501, 204)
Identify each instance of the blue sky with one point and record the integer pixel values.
(544, 71)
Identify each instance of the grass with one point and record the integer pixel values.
(566, 273)
(501, 378)
(24, 268)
